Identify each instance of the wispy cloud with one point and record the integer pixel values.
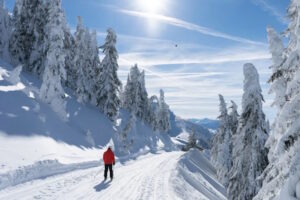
(153, 52)
(197, 96)
(137, 43)
(265, 5)
(170, 58)
(190, 26)
(193, 80)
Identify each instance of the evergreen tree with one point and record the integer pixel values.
(277, 79)
(282, 174)
(192, 141)
(26, 44)
(131, 88)
(86, 73)
(71, 70)
(82, 63)
(51, 90)
(163, 115)
(127, 141)
(135, 94)
(249, 154)
(109, 83)
(153, 107)
(21, 40)
(143, 111)
(95, 69)
(5, 31)
(233, 118)
(220, 152)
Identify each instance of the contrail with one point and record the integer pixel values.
(189, 26)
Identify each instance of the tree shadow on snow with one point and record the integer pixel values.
(28, 116)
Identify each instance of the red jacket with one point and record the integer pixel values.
(109, 157)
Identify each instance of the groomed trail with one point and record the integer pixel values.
(148, 177)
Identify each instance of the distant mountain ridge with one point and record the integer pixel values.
(181, 128)
(207, 123)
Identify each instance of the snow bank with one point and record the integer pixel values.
(196, 178)
(18, 151)
(40, 170)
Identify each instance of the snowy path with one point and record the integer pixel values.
(146, 180)
(148, 177)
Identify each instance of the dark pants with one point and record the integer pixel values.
(108, 166)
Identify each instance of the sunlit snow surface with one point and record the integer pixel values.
(163, 175)
(44, 157)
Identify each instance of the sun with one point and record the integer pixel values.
(152, 10)
(151, 6)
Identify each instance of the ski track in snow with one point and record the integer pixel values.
(144, 178)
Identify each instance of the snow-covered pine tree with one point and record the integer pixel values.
(128, 141)
(220, 152)
(282, 174)
(278, 82)
(126, 95)
(131, 88)
(21, 40)
(217, 137)
(71, 70)
(27, 39)
(277, 79)
(37, 58)
(92, 64)
(143, 110)
(95, 70)
(81, 61)
(249, 154)
(108, 99)
(163, 115)
(51, 90)
(135, 94)
(153, 106)
(86, 72)
(233, 118)
(5, 31)
(192, 141)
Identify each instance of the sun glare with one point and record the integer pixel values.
(151, 6)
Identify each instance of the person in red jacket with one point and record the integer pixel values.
(109, 161)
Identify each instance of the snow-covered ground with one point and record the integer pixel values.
(17, 151)
(45, 157)
(163, 175)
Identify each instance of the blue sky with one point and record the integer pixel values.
(193, 49)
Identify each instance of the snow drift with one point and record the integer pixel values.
(195, 178)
